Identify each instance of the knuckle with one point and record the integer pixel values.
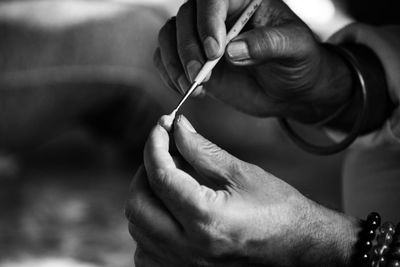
(160, 179)
(134, 209)
(212, 149)
(273, 40)
(238, 169)
(203, 208)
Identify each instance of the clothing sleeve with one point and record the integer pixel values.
(385, 42)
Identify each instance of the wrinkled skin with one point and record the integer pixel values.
(204, 207)
(285, 72)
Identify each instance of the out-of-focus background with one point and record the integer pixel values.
(78, 95)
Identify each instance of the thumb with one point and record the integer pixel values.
(209, 160)
(268, 42)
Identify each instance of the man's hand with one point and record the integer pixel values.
(208, 208)
(275, 68)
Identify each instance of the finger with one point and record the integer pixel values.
(147, 215)
(211, 23)
(205, 157)
(167, 121)
(211, 16)
(169, 55)
(189, 46)
(162, 71)
(263, 44)
(181, 193)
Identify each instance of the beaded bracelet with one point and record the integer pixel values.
(377, 246)
(358, 125)
(394, 252)
(365, 240)
(384, 240)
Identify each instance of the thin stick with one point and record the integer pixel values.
(209, 65)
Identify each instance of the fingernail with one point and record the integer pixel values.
(238, 51)
(182, 83)
(193, 68)
(186, 124)
(211, 47)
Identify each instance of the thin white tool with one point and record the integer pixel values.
(209, 65)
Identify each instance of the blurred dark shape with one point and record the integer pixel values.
(96, 74)
(375, 12)
(77, 101)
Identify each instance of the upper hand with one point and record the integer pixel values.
(275, 68)
(208, 208)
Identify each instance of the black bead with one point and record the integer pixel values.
(374, 220)
(367, 234)
(364, 259)
(388, 227)
(382, 262)
(384, 239)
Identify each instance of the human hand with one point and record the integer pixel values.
(275, 68)
(208, 208)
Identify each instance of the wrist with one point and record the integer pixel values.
(329, 238)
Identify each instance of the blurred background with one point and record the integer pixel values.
(78, 95)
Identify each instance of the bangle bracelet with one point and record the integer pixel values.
(358, 125)
(333, 116)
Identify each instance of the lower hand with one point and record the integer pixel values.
(207, 208)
